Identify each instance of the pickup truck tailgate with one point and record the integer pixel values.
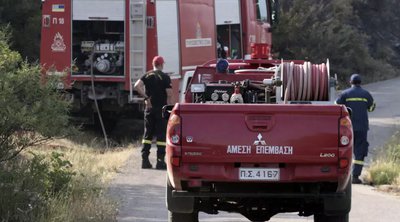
(260, 133)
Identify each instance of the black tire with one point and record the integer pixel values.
(179, 217)
(340, 217)
(181, 205)
(325, 218)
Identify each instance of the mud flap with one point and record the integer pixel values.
(178, 204)
(338, 205)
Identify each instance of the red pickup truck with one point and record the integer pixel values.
(235, 146)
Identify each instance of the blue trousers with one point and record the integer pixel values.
(360, 151)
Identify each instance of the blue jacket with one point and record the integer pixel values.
(361, 102)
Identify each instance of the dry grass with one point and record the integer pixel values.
(85, 159)
(94, 168)
(385, 170)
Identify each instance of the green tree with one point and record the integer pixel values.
(24, 17)
(380, 20)
(30, 111)
(316, 30)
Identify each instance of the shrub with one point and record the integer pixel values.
(393, 148)
(31, 111)
(386, 169)
(28, 185)
(384, 172)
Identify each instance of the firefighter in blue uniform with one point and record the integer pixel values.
(155, 87)
(361, 102)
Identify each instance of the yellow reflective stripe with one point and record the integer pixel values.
(358, 162)
(146, 141)
(372, 108)
(356, 99)
(161, 143)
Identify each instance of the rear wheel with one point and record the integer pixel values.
(339, 208)
(325, 218)
(181, 217)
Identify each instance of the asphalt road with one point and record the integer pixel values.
(141, 192)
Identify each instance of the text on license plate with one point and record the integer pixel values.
(259, 174)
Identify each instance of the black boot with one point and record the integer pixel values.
(145, 156)
(356, 180)
(160, 162)
(146, 163)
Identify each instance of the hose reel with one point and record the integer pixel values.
(305, 82)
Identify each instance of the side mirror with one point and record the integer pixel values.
(166, 111)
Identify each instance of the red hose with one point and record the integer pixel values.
(305, 82)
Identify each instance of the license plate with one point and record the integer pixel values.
(268, 174)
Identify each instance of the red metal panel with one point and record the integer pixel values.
(313, 129)
(197, 31)
(255, 31)
(55, 50)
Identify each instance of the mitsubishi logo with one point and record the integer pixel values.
(259, 141)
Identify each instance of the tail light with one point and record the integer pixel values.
(343, 163)
(174, 138)
(345, 131)
(174, 129)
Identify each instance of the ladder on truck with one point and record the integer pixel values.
(137, 35)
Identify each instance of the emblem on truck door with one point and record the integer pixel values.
(259, 141)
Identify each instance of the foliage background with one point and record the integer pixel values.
(24, 17)
(358, 36)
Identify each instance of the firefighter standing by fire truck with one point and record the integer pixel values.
(155, 87)
(361, 102)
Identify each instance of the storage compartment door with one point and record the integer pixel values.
(112, 10)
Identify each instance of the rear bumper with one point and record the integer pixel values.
(258, 195)
(309, 198)
(201, 174)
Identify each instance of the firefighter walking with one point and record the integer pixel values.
(155, 87)
(361, 102)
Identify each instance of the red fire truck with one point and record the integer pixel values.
(101, 47)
